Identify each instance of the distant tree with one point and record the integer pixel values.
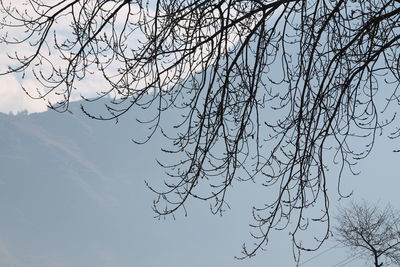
(367, 228)
(268, 91)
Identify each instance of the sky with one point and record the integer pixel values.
(73, 198)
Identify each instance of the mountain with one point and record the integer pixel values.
(72, 193)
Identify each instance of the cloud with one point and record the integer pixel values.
(13, 99)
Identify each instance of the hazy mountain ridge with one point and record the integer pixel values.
(72, 189)
(72, 193)
(58, 172)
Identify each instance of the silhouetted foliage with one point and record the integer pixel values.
(269, 91)
(367, 228)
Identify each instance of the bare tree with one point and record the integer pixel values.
(267, 90)
(366, 227)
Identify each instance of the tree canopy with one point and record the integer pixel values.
(267, 91)
(365, 227)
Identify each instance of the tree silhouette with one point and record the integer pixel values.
(267, 91)
(365, 227)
